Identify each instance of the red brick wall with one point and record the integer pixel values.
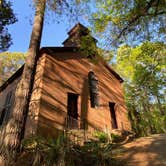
(35, 101)
(61, 73)
(68, 72)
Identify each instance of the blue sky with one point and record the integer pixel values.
(53, 33)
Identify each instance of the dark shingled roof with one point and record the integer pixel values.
(73, 31)
(53, 50)
(76, 26)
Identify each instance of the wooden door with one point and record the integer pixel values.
(113, 116)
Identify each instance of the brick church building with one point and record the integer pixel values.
(69, 91)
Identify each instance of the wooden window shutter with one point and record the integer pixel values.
(93, 89)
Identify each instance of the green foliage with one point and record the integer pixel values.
(103, 137)
(107, 137)
(72, 11)
(143, 68)
(137, 19)
(7, 17)
(146, 123)
(115, 137)
(62, 151)
(46, 151)
(97, 154)
(89, 49)
(9, 63)
(88, 46)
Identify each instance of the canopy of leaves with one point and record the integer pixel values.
(143, 67)
(137, 19)
(67, 11)
(9, 63)
(7, 17)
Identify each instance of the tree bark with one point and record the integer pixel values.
(15, 127)
(159, 105)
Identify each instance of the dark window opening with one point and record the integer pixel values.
(2, 116)
(93, 89)
(113, 116)
(8, 105)
(5, 115)
(72, 110)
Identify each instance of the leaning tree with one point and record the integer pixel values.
(12, 131)
(11, 141)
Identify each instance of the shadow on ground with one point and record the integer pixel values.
(145, 151)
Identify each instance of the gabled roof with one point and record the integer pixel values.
(78, 25)
(77, 29)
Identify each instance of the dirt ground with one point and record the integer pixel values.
(145, 151)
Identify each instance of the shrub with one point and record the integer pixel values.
(115, 137)
(61, 152)
(101, 136)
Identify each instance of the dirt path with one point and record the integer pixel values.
(145, 151)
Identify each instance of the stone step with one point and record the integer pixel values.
(80, 135)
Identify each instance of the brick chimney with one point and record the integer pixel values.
(75, 36)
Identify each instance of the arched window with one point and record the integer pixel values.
(93, 89)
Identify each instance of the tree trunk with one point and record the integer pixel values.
(159, 105)
(15, 127)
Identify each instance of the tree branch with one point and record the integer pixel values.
(135, 18)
